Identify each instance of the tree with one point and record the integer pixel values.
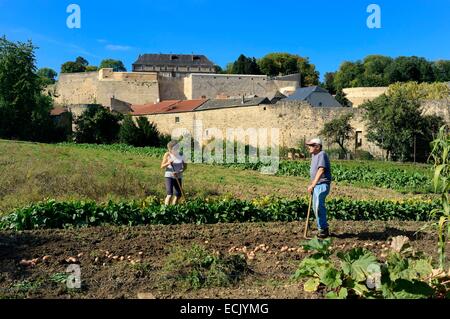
(116, 65)
(413, 68)
(374, 70)
(218, 69)
(82, 61)
(97, 125)
(441, 70)
(244, 65)
(350, 74)
(284, 63)
(47, 76)
(24, 110)
(91, 68)
(329, 82)
(339, 131)
(72, 67)
(143, 133)
(340, 97)
(396, 124)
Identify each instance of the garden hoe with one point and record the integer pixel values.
(181, 188)
(307, 217)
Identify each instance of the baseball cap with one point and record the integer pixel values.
(314, 141)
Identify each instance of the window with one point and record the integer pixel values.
(320, 103)
(177, 119)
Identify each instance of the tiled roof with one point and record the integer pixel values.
(303, 93)
(169, 106)
(152, 108)
(222, 103)
(185, 106)
(58, 111)
(174, 59)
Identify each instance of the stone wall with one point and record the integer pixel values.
(211, 86)
(295, 120)
(358, 96)
(99, 87)
(172, 88)
(437, 107)
(147, 87)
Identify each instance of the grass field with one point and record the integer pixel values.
(32, 172)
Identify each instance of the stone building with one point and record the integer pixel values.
(103, 86)
(172, 65)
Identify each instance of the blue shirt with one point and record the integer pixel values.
(321, 160)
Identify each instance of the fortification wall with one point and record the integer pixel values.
(99, 87)
(231, 85)
(172, 88)
(296, 121)
(358, 96)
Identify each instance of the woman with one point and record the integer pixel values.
(174, 164)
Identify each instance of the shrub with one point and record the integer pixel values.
(97, 125)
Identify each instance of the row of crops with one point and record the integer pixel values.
(363, 173)
(53, 214)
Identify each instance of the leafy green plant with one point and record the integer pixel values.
(195, 267)
(441, 183)
(404, 274)
(59, 277)
(53, 214)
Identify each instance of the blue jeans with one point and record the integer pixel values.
(320, 192)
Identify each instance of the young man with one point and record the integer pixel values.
(320, 184)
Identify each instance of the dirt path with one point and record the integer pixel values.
(119, 279)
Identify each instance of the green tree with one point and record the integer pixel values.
(245, 65)
(274, 64)
(142, 133)
(97, 125)
(404, 69)
(82, 61)
(396, 124)
(350, 74)
(339, 131)
(441, 70)
(91, 68)
(329, 82)
(116, 65)
(374, 70)
(24, 110)
(72, 67)
(340, 97)
(218, 69)
(47, 76)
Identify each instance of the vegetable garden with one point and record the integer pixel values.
(226, 245)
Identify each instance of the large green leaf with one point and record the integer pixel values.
(355, 263)
(311, 284)
(406, 289)
(321, 246)
(311, 267)
(330, 277)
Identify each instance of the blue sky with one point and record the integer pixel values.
(328, 32)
